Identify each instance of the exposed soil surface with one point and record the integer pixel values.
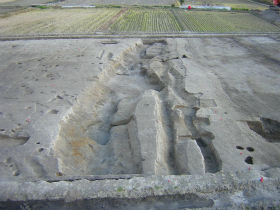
(271, 15)
(140, 123)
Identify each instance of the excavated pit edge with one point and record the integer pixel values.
(138, 187)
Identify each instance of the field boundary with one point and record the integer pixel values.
(259, 16)
(179, 20)
(107, 25)
(125, 36)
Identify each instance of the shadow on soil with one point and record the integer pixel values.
(267, 128)
(154, 202)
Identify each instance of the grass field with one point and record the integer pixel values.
(208, 21)
(131, 21)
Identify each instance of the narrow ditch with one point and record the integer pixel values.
(189, 110)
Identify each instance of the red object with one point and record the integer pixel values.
(52, 85)
(215, 111)
(168, 180)
(189, 7)
(221, 119)
(276, 2)
(28, 120)
(262, 179)
(240, 153)
(249, 168)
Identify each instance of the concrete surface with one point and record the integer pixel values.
(185, 123)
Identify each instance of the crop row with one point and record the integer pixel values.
(57, 21)
(86, 21)
(136, 20)
(207, 21)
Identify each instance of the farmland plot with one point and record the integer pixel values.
(225, 22)
(229, 3)
(53, 21)
(151, 20)
(132, 21)
(117, 2)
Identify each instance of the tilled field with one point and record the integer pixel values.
(208, 21)
(57, 21)
(234, 4)
(131, 21)
(146, 21)
(117, 2)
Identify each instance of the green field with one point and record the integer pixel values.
(227, 22)
(131, 21)
(149, 20)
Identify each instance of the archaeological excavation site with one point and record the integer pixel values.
(139, 107)
(140, 123)
(136, 117)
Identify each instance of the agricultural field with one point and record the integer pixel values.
(37, 21)
(239, 4)
(227, 22)
(53, 21)
(117, 2)
(151, 20)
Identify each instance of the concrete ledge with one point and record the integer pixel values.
(210, 185)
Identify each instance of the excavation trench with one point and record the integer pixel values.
(269, 129)
(193, 148)
(126, 121)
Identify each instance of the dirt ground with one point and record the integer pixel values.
(140, 123)
(178, 121)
